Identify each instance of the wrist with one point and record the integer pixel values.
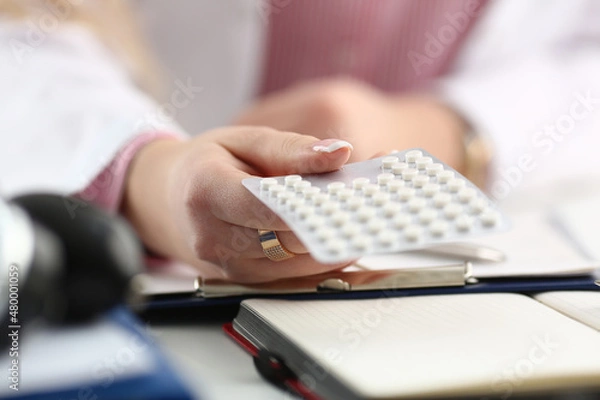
(423, 121)
(145, 198)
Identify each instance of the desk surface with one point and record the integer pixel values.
(213, 365)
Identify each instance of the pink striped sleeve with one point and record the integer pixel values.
(106, 190)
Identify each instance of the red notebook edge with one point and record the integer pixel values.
(239, 339)
(245, 344)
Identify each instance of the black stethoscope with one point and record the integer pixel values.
(62, 261)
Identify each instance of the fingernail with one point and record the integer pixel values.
(331, 145)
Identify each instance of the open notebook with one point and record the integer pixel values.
(455, 346)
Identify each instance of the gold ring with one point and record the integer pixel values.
(272, 247)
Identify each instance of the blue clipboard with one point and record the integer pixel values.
(159, 383)
(510, 285)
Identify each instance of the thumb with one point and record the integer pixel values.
(279, 153)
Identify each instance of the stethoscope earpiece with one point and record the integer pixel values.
(71, 263)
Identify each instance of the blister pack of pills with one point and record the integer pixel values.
(404, 201)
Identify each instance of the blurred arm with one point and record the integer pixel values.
(68, 108)
(529, 80)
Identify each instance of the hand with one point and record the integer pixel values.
(187, 202)
(374, 122)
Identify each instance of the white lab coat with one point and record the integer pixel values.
(67, 105)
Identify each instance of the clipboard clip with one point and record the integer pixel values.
(334, 285)
(449, 275)
(459, 274)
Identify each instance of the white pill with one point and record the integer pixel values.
(423, 162)
(376, 225)
(290, 180)
(456, 184)
(427, 215)
(311, 192)
(329, 207)
(401, 221)
(420, 180)
(315, 221)
(441, 199)
(265, 183)
(412, 156)
(406, 193)
(384, 179)
(438, 228)
(294, 203)
(339, 218)
(361, 242)
(387, 237)
(275, 190)
(351, 230)
(301, 186)
(304, 211)
(320, 198)
(409, 174)
(413, 233)
(355, 203)
(434, 169)
(466, 194)
(477, 205)
(359, 183)
(445, 176)
(284, 197)
(416, 204)
(395, 185)
(490, 218)
(365, 213)
(380, 198)
(391, 209)
(335, 187)
(370, 189)
(464, 223)
(397, 168)
(387, 162)
(335, 246)
(452, 210)
(431, 189)
(325, 233)
(345, 194)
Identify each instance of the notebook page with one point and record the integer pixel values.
(432, 345)
(533, 246)
(581, 306)
(580, 219)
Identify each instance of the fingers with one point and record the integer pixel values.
(239, 255)
(222, 194)
(273, 152)
(245, 241)
(264, 270)
(270, 152)
(226, 215)
(379, 154)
